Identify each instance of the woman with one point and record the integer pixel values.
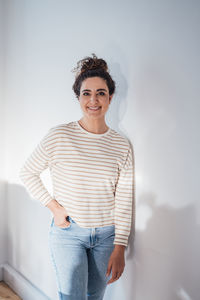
(91, 167)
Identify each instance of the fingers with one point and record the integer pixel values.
(108, 269)
(61, 224)
(117, 267)
(115, 276)
(65, 224)
(60, 220)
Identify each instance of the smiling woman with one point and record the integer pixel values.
(91, 168)
(94, 89)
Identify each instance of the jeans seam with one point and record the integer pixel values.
(57, 275)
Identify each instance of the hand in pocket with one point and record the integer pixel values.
(60, 218)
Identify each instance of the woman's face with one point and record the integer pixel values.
(94, 97)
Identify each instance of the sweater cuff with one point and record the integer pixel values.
(121, 240)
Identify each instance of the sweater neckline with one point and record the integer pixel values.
(96, 135)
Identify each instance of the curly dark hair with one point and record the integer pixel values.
(92, 67)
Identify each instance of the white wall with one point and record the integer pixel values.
(152, 48)
(3, 210)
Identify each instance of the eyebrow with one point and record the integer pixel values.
(97, 90)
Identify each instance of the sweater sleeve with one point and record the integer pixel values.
(30, 171)
(124, 201)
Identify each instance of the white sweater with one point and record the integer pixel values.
(92, 176)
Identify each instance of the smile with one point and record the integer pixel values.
(94, 108)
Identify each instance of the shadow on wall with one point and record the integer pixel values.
(165, 264)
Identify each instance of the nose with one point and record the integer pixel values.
(93, 98)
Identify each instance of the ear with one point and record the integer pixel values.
(110, 98)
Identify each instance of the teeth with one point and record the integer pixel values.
(94, 108)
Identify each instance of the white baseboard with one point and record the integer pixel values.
(24, 288)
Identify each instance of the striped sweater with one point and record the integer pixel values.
(92, 176)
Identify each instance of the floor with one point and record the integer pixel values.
(6, 292)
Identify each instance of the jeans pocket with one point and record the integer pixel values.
(61, 228)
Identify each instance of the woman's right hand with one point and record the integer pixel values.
(60, 217)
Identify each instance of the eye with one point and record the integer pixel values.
(102, 93)
(85, 93)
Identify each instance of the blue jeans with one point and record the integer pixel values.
(80, 258)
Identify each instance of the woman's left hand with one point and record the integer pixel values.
(117, 264)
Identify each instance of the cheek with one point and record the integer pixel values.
(106, 104)
(82, 102)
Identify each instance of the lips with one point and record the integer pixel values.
(94, 107)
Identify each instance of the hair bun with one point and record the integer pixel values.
(90, 63)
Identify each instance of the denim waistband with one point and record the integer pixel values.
(72, 221)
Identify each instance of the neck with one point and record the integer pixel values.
(94, 126)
